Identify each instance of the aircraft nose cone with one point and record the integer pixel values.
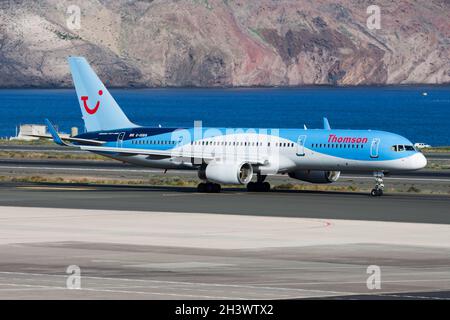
(417, 161)
(421, 161)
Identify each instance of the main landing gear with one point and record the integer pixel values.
(259, 185)
(379, 186)
(209, 187)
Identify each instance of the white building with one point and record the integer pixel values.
(26, 129)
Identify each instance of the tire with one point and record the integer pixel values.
(216, 188)
(374, 193)
(266, 187)
(201, 187)
(380, 192)
(251, 186)
(210, 187)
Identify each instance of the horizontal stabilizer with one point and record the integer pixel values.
(54, 134)
(61, 140)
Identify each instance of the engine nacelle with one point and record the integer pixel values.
(227, 172)
(315, 176)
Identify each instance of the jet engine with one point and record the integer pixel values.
(315, 176)
(227, 172)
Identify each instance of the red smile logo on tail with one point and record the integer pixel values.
(86, 107)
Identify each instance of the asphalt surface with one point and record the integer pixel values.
(309, 204)
(126, 255)
(167, 255)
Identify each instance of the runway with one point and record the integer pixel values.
(304, 204)
(155, 242)
(169, 255)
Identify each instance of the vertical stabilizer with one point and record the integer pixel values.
(99, 109)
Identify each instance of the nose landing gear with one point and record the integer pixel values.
(379, 186)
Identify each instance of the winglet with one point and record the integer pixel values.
(326, 124)
(56, 138)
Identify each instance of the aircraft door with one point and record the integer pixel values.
(374, 147)
(301, 145)
(120, 139)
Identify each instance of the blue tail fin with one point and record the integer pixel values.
(55, 135)
(326, 124)
(99, 109)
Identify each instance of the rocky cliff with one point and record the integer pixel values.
(226, 42)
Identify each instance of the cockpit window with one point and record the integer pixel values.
(401, 147)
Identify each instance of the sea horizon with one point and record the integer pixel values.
(418, 112)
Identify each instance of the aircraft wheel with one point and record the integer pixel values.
(265, 187)
(201, 187)
(216, 187)
(251, 186)
(376, 192)
(210, 187)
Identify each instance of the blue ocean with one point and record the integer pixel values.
(420, 113)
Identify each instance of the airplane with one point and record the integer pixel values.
(233, 156)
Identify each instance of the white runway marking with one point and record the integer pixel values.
(121, 291)
(127, 288)
(273, 292)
